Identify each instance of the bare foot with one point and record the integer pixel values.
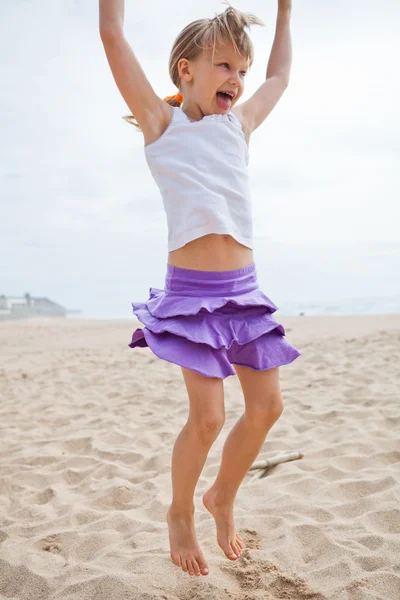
(228, 539)
(185, 551)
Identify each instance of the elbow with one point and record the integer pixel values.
(110, 32)
(284, 81)
(283, 78)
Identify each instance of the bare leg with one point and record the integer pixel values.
(190, 452)
(241, 448)
(188, 458)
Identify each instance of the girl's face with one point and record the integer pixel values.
(205, 77)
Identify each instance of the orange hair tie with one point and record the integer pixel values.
(178, 97)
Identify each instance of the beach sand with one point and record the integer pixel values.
(87, 428)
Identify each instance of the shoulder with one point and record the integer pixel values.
(154, 125)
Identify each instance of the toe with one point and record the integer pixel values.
(237, 549)
(184, 565)
(176, 559)
(231, 553)
(196, 567)
(203, 568)
(190, 567)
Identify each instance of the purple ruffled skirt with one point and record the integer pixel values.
(209, 320)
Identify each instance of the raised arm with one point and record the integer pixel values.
(128, 74)
(256, 109)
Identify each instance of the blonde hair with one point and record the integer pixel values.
(204, 34)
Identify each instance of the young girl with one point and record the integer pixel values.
(212, 319)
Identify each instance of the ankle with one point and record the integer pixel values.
(176, 511)
(220, 497)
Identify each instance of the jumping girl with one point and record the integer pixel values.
(212, 319)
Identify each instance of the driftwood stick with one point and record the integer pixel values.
(275, 460)
(265, 464)
(257, 476)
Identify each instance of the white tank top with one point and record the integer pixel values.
(201, 170)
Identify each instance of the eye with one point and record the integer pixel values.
(244, 72)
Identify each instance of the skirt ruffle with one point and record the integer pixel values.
(209, 334)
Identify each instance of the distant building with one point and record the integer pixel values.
(28, 306)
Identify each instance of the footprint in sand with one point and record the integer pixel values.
(251, 539)
(51, 543)
(254, 574)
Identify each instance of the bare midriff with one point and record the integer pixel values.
(212, 252)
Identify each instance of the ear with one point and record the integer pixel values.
(185, 69)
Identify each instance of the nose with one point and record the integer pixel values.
(236, 81)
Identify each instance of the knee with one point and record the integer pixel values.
(207, 428)
(266, 413)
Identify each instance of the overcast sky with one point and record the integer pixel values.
(80, 211)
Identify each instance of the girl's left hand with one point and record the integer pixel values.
(284, 4)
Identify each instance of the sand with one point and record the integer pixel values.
(87, 428)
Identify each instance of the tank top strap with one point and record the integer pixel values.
(179, 115)
(233, 118)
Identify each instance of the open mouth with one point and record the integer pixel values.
(224, 101)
